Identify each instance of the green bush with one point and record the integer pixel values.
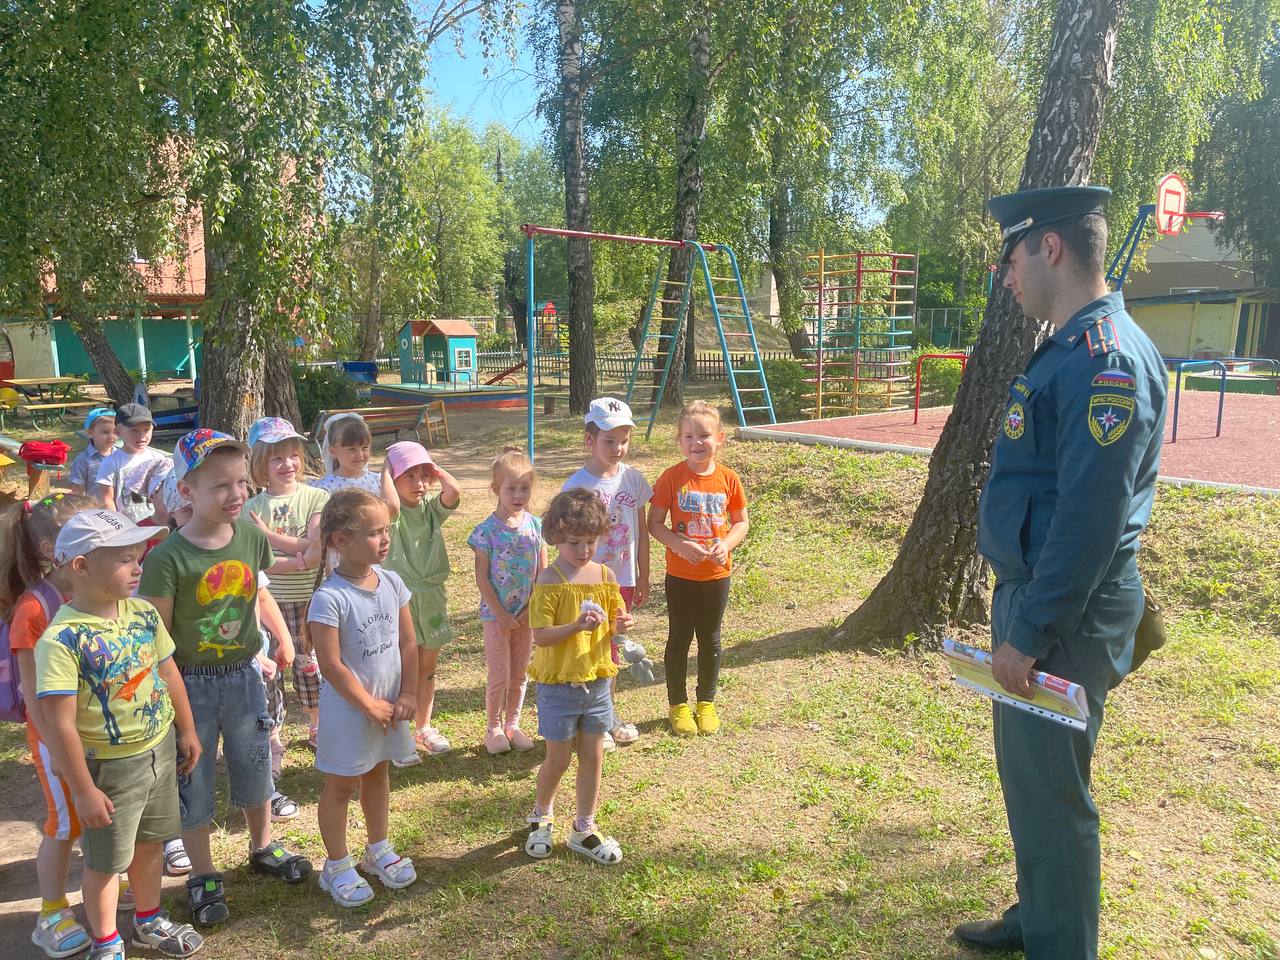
(322, 388)
(787, 387)
(940, 379)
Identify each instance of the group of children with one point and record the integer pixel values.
(155, 611)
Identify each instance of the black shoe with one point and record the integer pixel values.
(207, 899)
(988, 935)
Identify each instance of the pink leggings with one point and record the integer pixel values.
(507, 653)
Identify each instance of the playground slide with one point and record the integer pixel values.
(496, 378)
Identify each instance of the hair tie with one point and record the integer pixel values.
(26, 506)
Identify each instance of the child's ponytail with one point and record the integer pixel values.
(341, 513)
(28, 526)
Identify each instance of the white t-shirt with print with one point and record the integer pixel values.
(331, 483)
(623, 495)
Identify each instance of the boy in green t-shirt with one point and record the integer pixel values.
(109, 688)
(204, 582)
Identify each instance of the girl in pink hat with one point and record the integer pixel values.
(418, 555)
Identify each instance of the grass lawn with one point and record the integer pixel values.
(850, 807)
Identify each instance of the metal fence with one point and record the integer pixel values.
(707, 367)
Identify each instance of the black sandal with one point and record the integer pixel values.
(275, 861)
(207, 899)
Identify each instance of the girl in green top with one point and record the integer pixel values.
(418, 555)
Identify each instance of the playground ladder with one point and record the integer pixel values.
(664, 343)
(727, 299)
(858, 311)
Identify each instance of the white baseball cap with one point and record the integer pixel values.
(607, 414)
(90, 530)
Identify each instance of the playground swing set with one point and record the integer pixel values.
(712, 267)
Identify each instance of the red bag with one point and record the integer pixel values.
(52, 452)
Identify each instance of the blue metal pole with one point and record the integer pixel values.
(1177, 397)
(530, 337)
(1222, 395)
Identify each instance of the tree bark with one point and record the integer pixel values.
(577, 211)
(279, 396)
(115, 378)
(231, 374)
(373, 316)
(689, 142)
(937, 577)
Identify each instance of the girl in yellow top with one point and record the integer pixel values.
(574, 610)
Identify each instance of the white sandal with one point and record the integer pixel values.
(395, 872)
(340, 880)
(604, 850)
(539, 843)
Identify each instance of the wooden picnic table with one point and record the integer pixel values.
(44, 389)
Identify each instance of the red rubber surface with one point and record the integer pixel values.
(1247, 453)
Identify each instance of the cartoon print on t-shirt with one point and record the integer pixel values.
(706, 511)
(234, 582)
(617, 544)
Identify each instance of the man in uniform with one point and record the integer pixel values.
(1070, 490)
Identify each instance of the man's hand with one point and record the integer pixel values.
(1012, 670)
(189, 751)
(94, 808)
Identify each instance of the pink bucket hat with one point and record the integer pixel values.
(406, 455)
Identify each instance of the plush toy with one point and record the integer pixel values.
(633, 653)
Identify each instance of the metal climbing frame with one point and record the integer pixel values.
(859, 308)
(747, 382)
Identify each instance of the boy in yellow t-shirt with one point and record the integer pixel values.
(108, 686)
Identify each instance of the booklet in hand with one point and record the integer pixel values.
(1055, 699)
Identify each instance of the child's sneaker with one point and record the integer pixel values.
(114, 950)
(594, 846)
(170, 938)
(518, 739)
(495, 741)
(60, 934)
(125, 902)
(538, 845)
(207, 899)
(176, 861)
(382, 861)
(708, 721)
(682, 724)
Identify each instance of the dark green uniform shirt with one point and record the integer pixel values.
(1073, 472)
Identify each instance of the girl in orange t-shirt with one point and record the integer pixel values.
(708, 519)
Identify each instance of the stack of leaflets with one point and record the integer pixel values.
(1053, 698)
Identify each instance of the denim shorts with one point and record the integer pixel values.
(229, 701)
(564, 709)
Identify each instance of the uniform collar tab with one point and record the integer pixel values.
(1070, 333)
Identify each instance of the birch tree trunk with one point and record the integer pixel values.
(577, 212)
(938, 577)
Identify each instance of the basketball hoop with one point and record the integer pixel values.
(1171, 206)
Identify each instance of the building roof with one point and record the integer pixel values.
(1269, 294)
(444, 328)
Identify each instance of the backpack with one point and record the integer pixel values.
(11, 705)
(52, 452)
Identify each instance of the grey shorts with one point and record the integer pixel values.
(144, 790)
(564, 709)
(230, 702)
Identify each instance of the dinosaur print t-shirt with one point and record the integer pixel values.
(214, 592)
(111, 667)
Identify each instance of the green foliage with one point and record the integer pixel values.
(322, 388)
(1239, 171)
(939, 379)
(787, 388)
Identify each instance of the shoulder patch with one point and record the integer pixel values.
(1115, 380)
(1101, 338)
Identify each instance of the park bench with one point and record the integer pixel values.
(61, 406)
(426, 421)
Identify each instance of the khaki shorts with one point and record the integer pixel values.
(144, 790)
(430, 616)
